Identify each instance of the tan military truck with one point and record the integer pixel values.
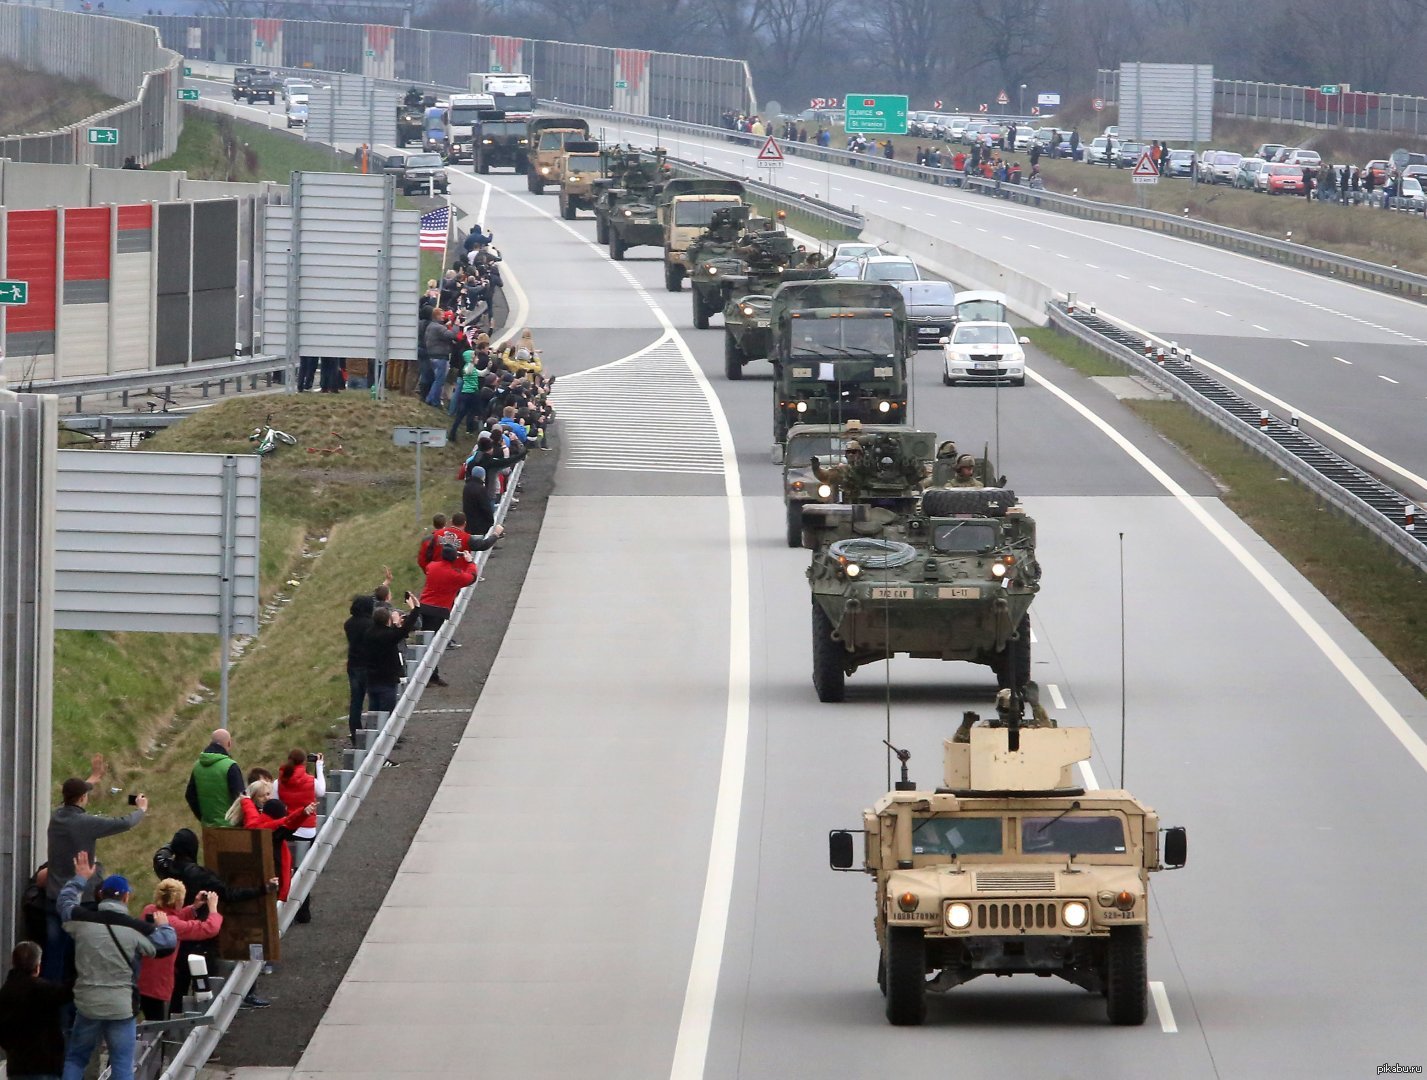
(1011, 867)
(580, 167)
(548, 138)
(686, 207)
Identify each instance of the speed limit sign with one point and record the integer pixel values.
(1098, 104)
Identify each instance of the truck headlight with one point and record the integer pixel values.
(802, 406)
(852, 569)
(958, 915)
(487, 142)
(545, 170)
(1075, 914)
(884, 406)
(824, 491)
(713, 271)
(629, 213)
(746, 309)
(998, 569)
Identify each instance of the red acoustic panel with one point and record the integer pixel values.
(86, 243)
(30, 243)
(136, 217)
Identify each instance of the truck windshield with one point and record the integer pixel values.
(551, 140)
(515, 102)
(696, 212)
(583, 163)
(956, 836)
(503, 127)
(1084, 834)
(464, 116)
(844, 337)
(804, 448)
(964, 538)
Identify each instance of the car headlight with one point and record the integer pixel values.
(824, 491)
(746, 309)
(884, 406)
(802, 406)
(958, 915)
(1075, 914)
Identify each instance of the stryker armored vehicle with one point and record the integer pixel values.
(626, 201)
(581, 166)
(771, 257)
(410, 115)
(952, 579)
(1011, 867)
(839, 353)
(548, 137)
(711, 258)
(686, 208)
(499, 140)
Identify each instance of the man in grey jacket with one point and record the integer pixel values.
(107, 947)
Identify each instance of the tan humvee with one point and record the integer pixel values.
(1010, 868)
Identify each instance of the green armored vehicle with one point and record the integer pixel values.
(952, 579)
(839, 353)
(771, 257)
(409, 116)
(711, 258)
(627, 201)
(1011, 867)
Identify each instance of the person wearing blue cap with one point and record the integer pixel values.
(107, 946)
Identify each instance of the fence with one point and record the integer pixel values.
(1349, 110)
(698, 88)
(123, 59)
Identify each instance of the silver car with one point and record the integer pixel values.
(931, 309)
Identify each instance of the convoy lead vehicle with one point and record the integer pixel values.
(1011, 868)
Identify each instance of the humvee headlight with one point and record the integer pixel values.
(852, 569)
(487, 142)
(629, 213)
(746, 309)
(907, 901)
(1075, 914)
(884, 406)
(1125, 901)
(545, 170)
(824, 491)
(713, 271)
(802, 406)
(958, 915)
(998, 569)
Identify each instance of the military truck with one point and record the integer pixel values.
(581, 165)
(256, 84)
(686, 206)
(500, 141)
(626, 201)
(410, 115)
(840, 352)
(712, 257)
(546, 153)
(770, 257)
(1011, 867)
(951, 579)
(827, 443)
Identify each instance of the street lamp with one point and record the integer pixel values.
(1023, 99)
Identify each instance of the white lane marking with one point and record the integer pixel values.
(980, 229)
(1091, 266)
(1012, 239)
(1061, 255)
(1034, 639)
(1384, 378)
(928, 215)
(1265, 329)
(1342, 361)
(1156, 288)
(1087, 776)
(910, 209)
(1331, 650)
(1055, 697)
(1223, 313)
(1034, 247)
(1187, 300)
(1123, 277)
(1297, 342)
(1162, 1009)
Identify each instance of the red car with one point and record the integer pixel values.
(1285, 180)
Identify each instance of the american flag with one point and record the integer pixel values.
(434, 228)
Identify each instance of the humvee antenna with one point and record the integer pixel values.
(1122, 660)
(905, 784)
(887, 672)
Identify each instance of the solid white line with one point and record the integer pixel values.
(1297, 342)
(1331, 650)
(1342, 361)
(1055, 696)
(1091, 266)
(1161, 1007)
(1087, 776)
(1384, 378)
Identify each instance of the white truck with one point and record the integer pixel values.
(513, 92)
(462, 114)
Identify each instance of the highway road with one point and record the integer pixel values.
(624, 874)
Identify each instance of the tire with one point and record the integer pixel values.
(284, 437)
(882, 974)
(906, 976)
(521, 166)
(530, 184)
(601, 229)
(945, 379)
(616, 248)
(795, 524)
(673, 278)
(567, 209)
(732, 358)
(829, 679)
(1126, 977)
(948, 502)
(1012, 664)
(537, 186)
(701, 313)
(483, 167)
(1018, 382)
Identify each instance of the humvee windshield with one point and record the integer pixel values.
(844, 337)
(696, 212)
(956, 836)
(583, 163)
(1083, 835)
(964, 538)
(503, 127)
(801, 451)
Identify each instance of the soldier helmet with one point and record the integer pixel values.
(946, 450)
(966, 461)
(854, 447)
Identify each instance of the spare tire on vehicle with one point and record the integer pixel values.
(978, 502)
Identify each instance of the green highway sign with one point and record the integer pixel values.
(621, 84)
(876, 114)
(259, 44)
(104, 136)
(14, 292)
(187, 72)
(1327, 90)
(187, 95)
(371, 53)
(497, 68)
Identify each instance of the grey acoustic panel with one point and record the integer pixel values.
(1167, 101)
(215, 242)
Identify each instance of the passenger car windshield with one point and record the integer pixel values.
(1082, 834)
(804, 448)
(983, 335)
(844, 337)
(956, 836)
(964, 538)
(423, 161)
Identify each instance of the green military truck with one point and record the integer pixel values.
(712, 257)
(499, 141)
(627, 201)
(686, 207)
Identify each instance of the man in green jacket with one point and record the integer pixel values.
(215, 782)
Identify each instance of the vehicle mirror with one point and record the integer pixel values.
(839, 850)
(1176, 847)
(1025, 340)
(945, 340)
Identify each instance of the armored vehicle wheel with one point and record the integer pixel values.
(673, 278)
(601, 230)
(732, 358)
(906, 975)
(534, 183)
(829, 679)
(795, 524)
(1126, 978)
(521, 166)
(567, 209)
(984, 502)
(483, 167)
(616, 248)
(701, 313)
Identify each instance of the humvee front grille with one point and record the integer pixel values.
(1014, 881)
(1024, 915)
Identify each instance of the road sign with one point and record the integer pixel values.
(771, 156)
(371, 54)
(983, 107)
(418, 436)
(104, 136)
(14, 292)
(1098, 104)
(187, 95)
(1048, 99)
(1328, 90)
(1002, 98)
(621, 84)
(259, 44)
(937, 104)
(876, 114)
(497, 68)
(1145, 170)
(1035, 110)
(187, 72)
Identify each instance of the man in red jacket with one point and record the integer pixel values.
(445, 578)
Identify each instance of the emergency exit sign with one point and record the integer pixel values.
(14, 292)
(876, 114)
(104, 136)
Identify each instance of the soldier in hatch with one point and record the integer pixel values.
(965, 473)
(842, 475)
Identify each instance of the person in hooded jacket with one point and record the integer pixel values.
(216, 780)
(298, 787)
(476, 500)
(356, 627)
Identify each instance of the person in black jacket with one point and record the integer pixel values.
(386, 662)
(356, 627)
(30, 1010)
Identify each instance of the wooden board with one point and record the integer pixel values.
(243, 858)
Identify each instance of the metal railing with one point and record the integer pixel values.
(800, 209)
(1388, 514)
(165, 379)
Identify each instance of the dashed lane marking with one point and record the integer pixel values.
(1223, 313)
(1162, 1009)
(1156, 288)
(1384, 378)
(1297, 342)
(1342, 361)
(1056, 699)
(1256, 326)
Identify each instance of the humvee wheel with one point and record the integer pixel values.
(522, 165)
(882, 974)
(616, 248)
(601, 229)
(906, 975)
(1126, 978)
(535, 183)
(567, 210)
(795, 524)
(701, 313)
(732, 358)
(673, 278)
(484, 167)
(829, 679)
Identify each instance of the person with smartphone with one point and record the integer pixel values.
(301, 782)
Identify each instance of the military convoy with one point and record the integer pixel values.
(770, 257)
(252, 84)
(1011, 867)
(686, 209)
(626, 201)
(549, 135)
(580, 166)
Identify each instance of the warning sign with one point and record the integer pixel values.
(771, 156)
(1003, 98)
(1145, 170)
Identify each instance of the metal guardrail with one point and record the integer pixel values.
(166, 378)
(1386, 513)
(795, 205)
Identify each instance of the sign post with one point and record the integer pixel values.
(1003, 98)
(1144, 172)
(418, 437)
(876, 114)
(771, 156)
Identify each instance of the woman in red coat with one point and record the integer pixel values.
(156, 972)
(275, 816)
(298, 787)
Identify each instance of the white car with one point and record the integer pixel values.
(855, 251)
(299, 90)
(984, 352)
(889, 268)
(1025, 135)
